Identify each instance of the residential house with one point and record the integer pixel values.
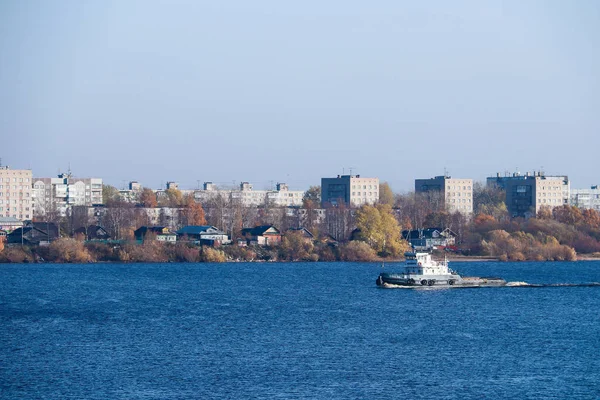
(29, 235)
(264, 235)
(10, 223)
(50, 227)
(93, 232)
(161, 233)
(205, 234)
(305, 233)
(430, 238)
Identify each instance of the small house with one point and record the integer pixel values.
(93, 232)
(29, 235)
(264, 235)
(430, 238)
(205, 234)
(160, 233)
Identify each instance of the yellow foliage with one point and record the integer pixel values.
(212, 255)
(69, 251)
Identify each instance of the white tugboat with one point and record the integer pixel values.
(421, 270)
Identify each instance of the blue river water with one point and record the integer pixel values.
(295, 331)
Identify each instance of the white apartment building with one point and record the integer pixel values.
(59, 194)
(281, 197)
(15, 193)
(349, 189)
(586, 198)
(455, 193)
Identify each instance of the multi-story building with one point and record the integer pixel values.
(59, 194)
(586, 198)
(527, 194)
(351, 190)
(132, 193)
(15, 193)
(281, 197)
(456, 194)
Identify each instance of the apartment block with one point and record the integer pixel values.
(282, 196)
(60, 193)
(15, 193)
(351, 190)
(527, 194)
(455, 193)
(586, 198)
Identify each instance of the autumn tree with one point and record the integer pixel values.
(386, 196)
(192, 213)
(339, 221)
(312, 197)
(148, 198)
(489, 200)
(119, 220)
(110, 194)
(567, 214)
(173, 198)
(379, 229)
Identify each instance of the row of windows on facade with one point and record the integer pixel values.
(364, 186)
(457, 194)
(7, 180)
(27, 216)
(458, 187)
(71, 187)
(551, 188)
(21, 201)
(16, 194)
(552, 201)
(550, 194)
(461, 207)
(20, 187)
(463, 200)
(14, 208)
(370, 194)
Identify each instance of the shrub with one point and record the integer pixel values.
(357, 250)
(68, 250)
(212, 255)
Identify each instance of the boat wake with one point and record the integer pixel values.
(508, 284)
(545, 285)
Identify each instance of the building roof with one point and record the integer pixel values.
(155, 229)
(260, 230)
(9, 220)
(305, 232)
(427, 233)
(197, 229)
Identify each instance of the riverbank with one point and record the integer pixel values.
(72, 251)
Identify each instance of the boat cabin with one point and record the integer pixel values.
(423, 264)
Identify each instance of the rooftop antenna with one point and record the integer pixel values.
(0, 162)
(350, 168)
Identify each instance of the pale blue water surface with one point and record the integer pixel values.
(294, 330)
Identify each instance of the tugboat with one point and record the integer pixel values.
(420, 270)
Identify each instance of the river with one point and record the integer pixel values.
(295, 331)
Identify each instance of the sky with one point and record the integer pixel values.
(276, 91)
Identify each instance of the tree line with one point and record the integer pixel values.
(342, 232)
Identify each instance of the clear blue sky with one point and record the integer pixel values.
(266, 91)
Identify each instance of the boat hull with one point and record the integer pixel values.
(422, 281)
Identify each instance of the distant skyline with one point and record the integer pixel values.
(268, 91)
